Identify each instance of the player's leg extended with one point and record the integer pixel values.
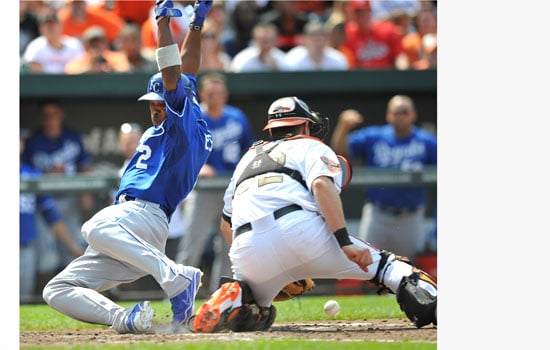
(75, 292)
(135, 233)
(416, 291)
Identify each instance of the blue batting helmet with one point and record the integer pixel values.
(155, 89)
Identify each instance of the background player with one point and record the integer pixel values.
(127, 239)
(31, 205)
(56, 148)
(392, 218)
(284, 219)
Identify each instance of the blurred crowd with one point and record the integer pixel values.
(114, 36)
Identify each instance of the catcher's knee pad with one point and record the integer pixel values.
(417, 298)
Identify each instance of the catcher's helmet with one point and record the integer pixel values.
(289, 111)
(155, 89)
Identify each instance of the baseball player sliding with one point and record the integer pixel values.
(127, 239)
(282, 208)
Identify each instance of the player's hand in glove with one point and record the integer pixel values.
(165, 8)
(200, 10)
(293, 289)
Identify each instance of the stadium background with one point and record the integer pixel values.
(97, 105)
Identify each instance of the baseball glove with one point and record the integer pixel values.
(293, 289)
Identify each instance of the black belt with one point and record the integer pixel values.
(128, 198)
(276, 214)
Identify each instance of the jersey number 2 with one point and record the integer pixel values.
(145, 154)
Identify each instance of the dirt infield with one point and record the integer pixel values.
(365, 330)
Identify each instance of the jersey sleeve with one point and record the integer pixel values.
(185, 91)
(46, 207)
(322, 162)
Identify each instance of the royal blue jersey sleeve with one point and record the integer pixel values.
(168, 159)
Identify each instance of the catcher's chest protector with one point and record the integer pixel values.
(263, 163)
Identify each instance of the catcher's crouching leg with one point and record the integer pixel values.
(416, 294)
(417, 297)
(232, 307)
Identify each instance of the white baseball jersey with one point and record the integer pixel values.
(299, 244)
(254, 200)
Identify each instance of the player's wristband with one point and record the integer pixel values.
(168, 56)
(342, 237)
(194, 26)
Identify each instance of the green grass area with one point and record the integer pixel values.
(308, 308)
(257, 345)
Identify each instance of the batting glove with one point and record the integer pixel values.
(165, 8)
(200, 10)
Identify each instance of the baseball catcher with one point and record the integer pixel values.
(284, 221)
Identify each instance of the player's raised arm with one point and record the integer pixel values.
(191, 49)
(172, 61)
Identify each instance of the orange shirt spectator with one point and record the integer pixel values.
(98, 58)
(77, 16)
(134, 11)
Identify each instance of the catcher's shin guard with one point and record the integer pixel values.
(383, 265)
(417, 298)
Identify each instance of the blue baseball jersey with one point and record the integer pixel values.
(30, 205)
(232, 138)
(67, 150)
(379, 147)
(168, 159)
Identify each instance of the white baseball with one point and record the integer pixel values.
(332, 308)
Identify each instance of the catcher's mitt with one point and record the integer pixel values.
(293, 289)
